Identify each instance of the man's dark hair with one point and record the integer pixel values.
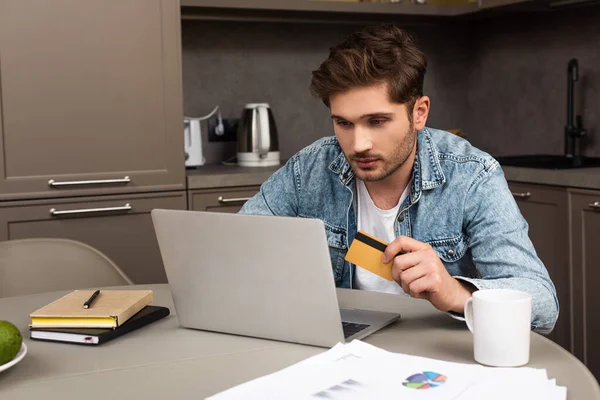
(374, 55)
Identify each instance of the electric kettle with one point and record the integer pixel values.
(257, 142)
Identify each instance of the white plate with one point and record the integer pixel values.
(17, 358)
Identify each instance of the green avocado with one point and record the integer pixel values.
(10, 341)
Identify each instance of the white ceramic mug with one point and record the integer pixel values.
(500, 320)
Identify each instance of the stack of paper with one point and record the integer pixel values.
(361, 371)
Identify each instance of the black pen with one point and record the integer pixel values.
(89, 301)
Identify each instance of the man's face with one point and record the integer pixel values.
(375, 134)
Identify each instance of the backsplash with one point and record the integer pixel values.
(233, 63)
(503, 80)
(517, 89)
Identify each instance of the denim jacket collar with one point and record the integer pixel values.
(427, 171)
(341, 166)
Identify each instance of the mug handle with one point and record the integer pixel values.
(469, 313)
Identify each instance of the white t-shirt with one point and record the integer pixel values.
(381, 224)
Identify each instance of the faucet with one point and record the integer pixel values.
(573, 129)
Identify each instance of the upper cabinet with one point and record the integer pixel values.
(313, 10)
(335, 6)
(90, 97)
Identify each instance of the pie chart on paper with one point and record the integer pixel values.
(425, 380)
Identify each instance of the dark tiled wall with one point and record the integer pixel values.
(518, 82)
(502, 80)
(231, 63)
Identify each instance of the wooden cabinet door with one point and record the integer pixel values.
(585, 245)
(119, 226)
(90, 91)
(546, 211)
(220, 200)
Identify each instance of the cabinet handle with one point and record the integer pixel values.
(53, 183)
(595, 205)
(223, 200)
(56, 213)
(522, 195)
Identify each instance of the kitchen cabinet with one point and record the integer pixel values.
(228, 200)
(585, 249)
(91, 98)
(545, 209)
(348, 8)
(120, 226)
(343, 11)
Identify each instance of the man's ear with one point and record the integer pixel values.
(421, 112)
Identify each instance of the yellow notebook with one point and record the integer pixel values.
(110, 309)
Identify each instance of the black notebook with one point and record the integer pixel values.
(95, 336)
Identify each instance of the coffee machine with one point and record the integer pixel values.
(194, 129)
(257, 141)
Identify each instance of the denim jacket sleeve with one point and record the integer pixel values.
(277, 195)
(501, 248)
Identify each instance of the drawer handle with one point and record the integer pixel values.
(56, 213)
(595, 205)
(223, 200)
(522, 195)
(53, 183)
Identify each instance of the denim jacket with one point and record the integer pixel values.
(459, 203)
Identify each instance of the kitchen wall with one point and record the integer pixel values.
(233, 63)
(517, 86)
(502, 80)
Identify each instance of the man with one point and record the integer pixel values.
(443, 205)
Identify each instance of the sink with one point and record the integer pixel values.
(548, 161)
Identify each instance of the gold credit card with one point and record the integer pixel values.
(366, 252)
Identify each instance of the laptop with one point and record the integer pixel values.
(260, 276)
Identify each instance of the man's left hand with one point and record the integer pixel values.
(421, 274)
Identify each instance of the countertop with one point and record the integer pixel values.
(582, 178)
(220, 176)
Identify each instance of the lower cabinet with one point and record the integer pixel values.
(228, 200)
(546, 211)
(564, 226)
(120, 226)
(585, 248)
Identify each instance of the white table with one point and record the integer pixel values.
(164, 360)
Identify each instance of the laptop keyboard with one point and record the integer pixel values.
(351, 328)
